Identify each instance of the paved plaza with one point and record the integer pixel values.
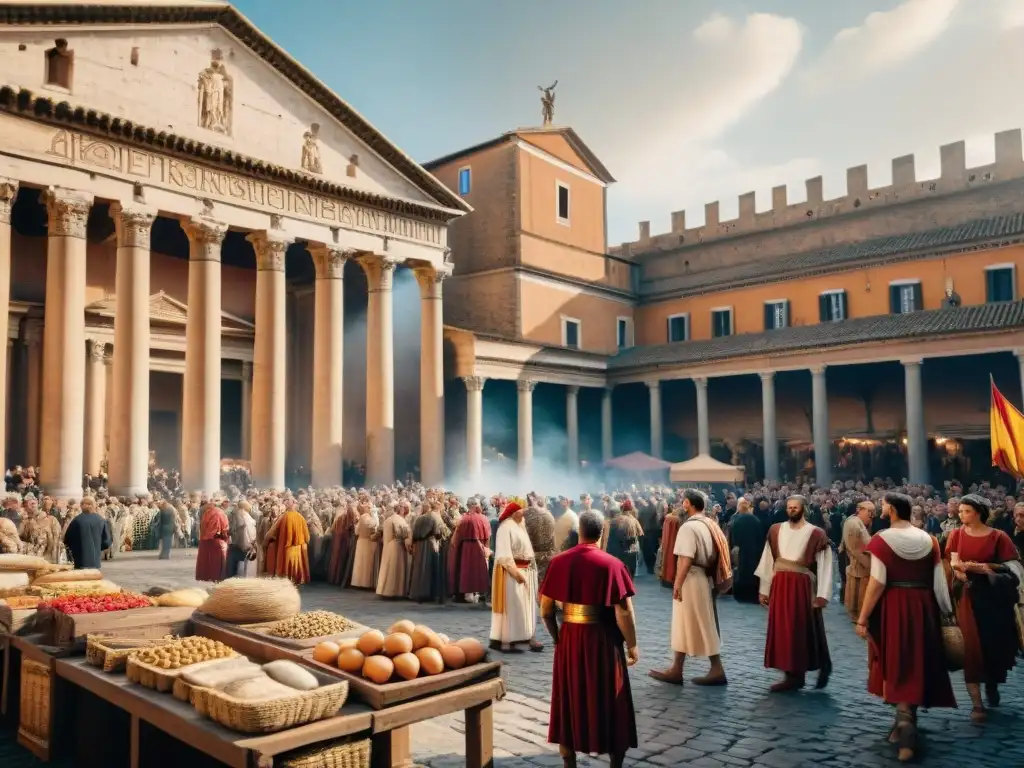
(740, 725)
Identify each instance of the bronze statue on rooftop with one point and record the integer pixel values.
(547, 102)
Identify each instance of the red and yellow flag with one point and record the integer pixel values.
(1007, 434)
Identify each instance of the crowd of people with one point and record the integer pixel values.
(909, 558)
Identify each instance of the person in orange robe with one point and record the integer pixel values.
(289, 541)
(213, 544)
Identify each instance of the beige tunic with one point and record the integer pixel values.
(393, 580)
(362, 567)
(855, 542)
(518, 622)
(694, 631)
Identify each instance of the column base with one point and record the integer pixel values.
(129, 490)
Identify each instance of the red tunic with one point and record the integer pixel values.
(988, 655)
(467, 563)
(906, 660)
(669, 529)
(213, 545)
(796, 641)
(591, 701)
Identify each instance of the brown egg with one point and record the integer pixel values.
(371, 642)
(404, 625)
(407, 665)
(348, 642)
(454, 657)
(474, 651)
(422, 636)
(351, 660)
(326, 652)
(430, 661)
(397, 643)
(379, 669)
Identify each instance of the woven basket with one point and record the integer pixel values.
(275, 714)
(253, 601)
(34, 725)
(953, 642)
(161, 680)
(111, 654)
(353, 754)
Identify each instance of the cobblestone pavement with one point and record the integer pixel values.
(739, 725)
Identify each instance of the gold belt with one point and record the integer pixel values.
(573, 613)
(792, 567)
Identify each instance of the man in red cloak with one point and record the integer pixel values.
(468, 574)
(213, 544)
(796, 584)
(591, 702)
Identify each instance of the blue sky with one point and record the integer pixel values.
(686, 101)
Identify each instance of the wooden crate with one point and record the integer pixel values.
(141, 623)
(263, 630)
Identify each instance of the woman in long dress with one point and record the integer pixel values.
(514, 585)
(395, 562)
(362, 567)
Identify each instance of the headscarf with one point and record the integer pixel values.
(514, 505)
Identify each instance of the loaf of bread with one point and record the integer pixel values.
(82, 574)
(291, 674)
(258, 688)
(221, 673)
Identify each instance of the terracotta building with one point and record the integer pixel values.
(862, 329)
(188, 219)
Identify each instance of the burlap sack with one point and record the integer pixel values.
(253, 601)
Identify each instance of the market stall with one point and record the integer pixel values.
(249, 680)
(705, 469)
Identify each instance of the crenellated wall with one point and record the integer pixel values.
(955, 177)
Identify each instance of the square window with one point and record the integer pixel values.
(721, 322)
(465, 181)
(999, 284)
(570, 333)
(776, 315)
(678, 328)
(562, 202)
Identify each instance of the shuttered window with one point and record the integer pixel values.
(776, 315)
(678, 328)
(905, 297)
(721, 322)
(832, 306)
(999, 284)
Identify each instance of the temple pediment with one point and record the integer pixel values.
(203, 71)
(168, 311)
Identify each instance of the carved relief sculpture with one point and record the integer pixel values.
(215, 96)
(547, 102)
(311, 150)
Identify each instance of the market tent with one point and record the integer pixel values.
(638, 461)
(704, 469)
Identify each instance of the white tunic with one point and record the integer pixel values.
(693, 617)
(912, 544)
(519, 621)
(792, 546)
(366, 547)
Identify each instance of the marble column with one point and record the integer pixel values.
(246, 409)
(270, 362)
(606, 424)
(703, 430)
(474, 425)
(822, 441)
(917, 435)
(572, 426)
(8, 193)
(62, 428)
(33, 389)
(129, 418)
(95, 405)
(328, 364)
(654, 389)
(431, 376)
(525, 388)
(770, 434)
(200, 436)
(380, 371)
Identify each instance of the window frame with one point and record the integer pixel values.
(1013, 279)
(567, 220)
(732, 321)
(566, 319)
(846, 308)
(668, 327)
(630, 337)
(785, 312)
(910, 281)
(469, 180)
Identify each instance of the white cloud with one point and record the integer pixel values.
(1011, 14)
(884, 40)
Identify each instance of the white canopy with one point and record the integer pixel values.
(704, 469)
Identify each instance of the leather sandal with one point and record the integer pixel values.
(906, 736)
(978, 715)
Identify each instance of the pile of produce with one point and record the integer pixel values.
(122, 601)
(184, 653)
(406, 652)
(253, 601)
(312, 624)
(182, 598)
(76, 588)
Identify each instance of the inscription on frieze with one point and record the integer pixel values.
(82, 150)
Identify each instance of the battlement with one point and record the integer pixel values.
(955, 176)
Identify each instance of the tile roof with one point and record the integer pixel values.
(912, 245)
(980, 318)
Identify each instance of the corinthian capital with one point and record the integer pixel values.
(68, 211)
(474, 383)
(526, 385)
(329, 260)
(430, 280)
(133, 223)
(380, 272)
(270, 246)
(205, 236)
(8, 192)
(96, 350)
